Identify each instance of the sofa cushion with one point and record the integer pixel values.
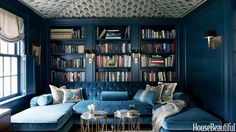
(34, 101)
(182, 96)
(167, 92)
(57, 94)
(111, 106)
(185, 119)
(44, 99)
(50, 118)
(158, 89)
(145, 96)
(72, 95)
(114, 95)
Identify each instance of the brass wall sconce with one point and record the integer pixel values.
(135, 56)
(90, 56)
(212, 39)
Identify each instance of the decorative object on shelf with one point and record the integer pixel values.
(90, 56)
(91, 108)
(135, 56)
(212, 39)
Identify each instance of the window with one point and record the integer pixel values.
(12, 67)
(10, 57)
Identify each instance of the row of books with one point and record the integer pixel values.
(151, 76)
(169, 61)
(67, 48)
(158, 48)
(113, 76)
(113, 33)
(114, 61)
(68, 33)
(161, 34)
(67, 76)
(61, 63)
(113, 48)
(152, 61)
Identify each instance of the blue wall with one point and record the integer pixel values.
(205, 71)
(33, 26)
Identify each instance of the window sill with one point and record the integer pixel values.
(12, 99)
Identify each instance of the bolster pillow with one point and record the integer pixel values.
(44, 99)
(114, 95)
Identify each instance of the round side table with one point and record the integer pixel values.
(99, 118)
(131, 118)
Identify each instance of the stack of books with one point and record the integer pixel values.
(113, 48)
(113, 76)
(153, 61)
(114, 61)
(67, 48)
(61, 63)
(62, 33)
(67, 76)
(113, 34)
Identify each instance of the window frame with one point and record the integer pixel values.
(18, 54)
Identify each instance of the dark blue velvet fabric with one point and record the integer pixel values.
(185, 119)
(111, 106)
(114, 95)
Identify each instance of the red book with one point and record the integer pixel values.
(173, 47)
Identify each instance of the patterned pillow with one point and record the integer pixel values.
(72, 95)
(158, 89)
(167, 92)
(57, 93)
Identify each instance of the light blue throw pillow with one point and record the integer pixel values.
(114, 95)
(34, 101)
(145, 96)
(44, 99)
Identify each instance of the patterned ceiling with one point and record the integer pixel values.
(112, 8)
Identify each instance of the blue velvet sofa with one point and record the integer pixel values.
(61, 117)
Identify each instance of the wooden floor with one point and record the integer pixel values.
(76, 128)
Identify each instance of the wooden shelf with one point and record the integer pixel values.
(69, 41)
(160, 68)
(67, 69)
(162, 54)
(157, 40)
(113, 69)
(110, 54)
(69, 55)
(114, 40)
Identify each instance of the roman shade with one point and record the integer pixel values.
(11, 26)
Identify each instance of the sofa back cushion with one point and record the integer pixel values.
(114, 95)
(93, 90)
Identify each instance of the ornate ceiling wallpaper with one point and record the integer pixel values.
(112, 8)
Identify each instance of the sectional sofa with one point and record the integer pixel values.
(61, 117)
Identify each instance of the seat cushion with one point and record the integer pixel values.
(111, 106)
(45, 118)
(185, 119)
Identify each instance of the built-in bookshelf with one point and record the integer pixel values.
(157, 59)
(67, 54)
(113, 53)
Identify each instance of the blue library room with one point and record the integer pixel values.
(117, 65)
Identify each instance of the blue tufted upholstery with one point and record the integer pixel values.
(92, 91)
